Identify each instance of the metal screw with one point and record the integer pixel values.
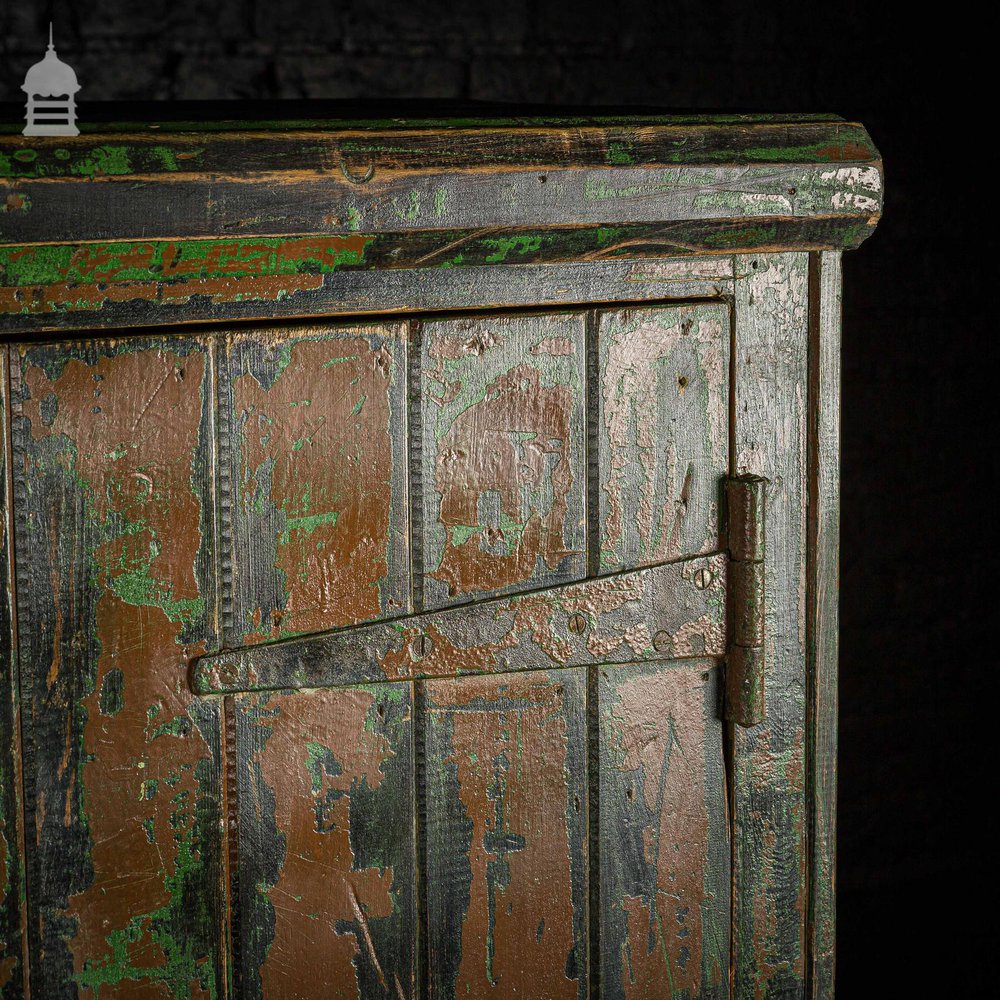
(703, 578)
(577, 623)
(661, 641)
(421, 646)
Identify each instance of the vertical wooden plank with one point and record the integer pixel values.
(503, 455)
(665, 865)
(313, 431)
(314, 424)
(769, 799)
(326, 843)
(663, 431)
(13, 970)
(823, 623)
(113, 453)
(506, 835)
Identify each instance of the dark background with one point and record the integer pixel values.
(915, 815)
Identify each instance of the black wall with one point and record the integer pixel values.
(916, 834)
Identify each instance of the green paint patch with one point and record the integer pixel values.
(461, 533)
(320, 761)
(358, 406)
(307, 524)
(517, 245)
(620, 154)
(179, 930)
(440, 201)
(409, 210)
(140, 590)
(112, 697)
(177, 261)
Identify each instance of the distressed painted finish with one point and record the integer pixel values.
(481, 178)
(222, 222)
(313, 428)
(671, 611)
(597, 141)
(822, 624)
(506, 835)
(503, 465)
(769, 795)
(150, 300)
(13, 971)
(663, 411)
(433, 720)
(326, 871)
(165, 281)
(665, 866)
(113, 527)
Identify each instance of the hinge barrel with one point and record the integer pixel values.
(745, 656)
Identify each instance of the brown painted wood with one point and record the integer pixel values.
(506, 835)
(113, 463)
(665, 851)
(312, 422)
(482, 177)
(326, 847)
(150, 303)
(769, 794)
(503, 469)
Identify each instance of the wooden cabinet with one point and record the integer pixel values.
(419, 556)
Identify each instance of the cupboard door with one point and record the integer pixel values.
(470, 570)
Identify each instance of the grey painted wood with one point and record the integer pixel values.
(663, 404)
(823, 623)
(769, 800)
(418, 289)
(13, 926)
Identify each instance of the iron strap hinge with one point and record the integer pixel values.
(667, 611)
(707, 606)
(745, 656)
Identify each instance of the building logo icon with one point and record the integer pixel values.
(51, 86)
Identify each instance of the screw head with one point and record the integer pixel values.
(662, 641)
(703, 578)
(577, 623)
(421, 646)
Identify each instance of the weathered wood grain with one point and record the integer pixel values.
(506, 835)
(147, 300)
(822, 625)
(480, 178)
(313, 426)
(676, 610)
(114, 550)
(13, 926)
(325, 116)
(503, 466)
(326, 864)
(663, 405)
(664, 828)
(253, 148)
(769, 800)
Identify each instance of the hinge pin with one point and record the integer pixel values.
(745, 658)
